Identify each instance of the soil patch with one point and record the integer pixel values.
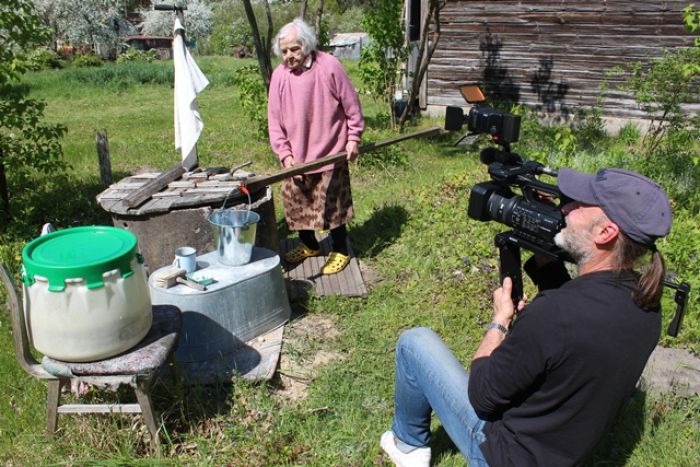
(304, 353)
(369, 276)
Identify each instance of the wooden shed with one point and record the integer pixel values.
(548, 55)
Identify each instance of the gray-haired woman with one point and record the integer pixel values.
(314, 112)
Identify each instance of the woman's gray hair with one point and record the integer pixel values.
(305, 35)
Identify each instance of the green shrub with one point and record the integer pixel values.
(42, 58)
(135, 55)
(590, 127)
(661, 87)
(629, 134)
(87, 60)
(252, 95)
(388, 156)
(669, 151)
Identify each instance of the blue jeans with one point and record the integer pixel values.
(429, 377)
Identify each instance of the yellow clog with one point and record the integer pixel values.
(300, 253)
(336, 263)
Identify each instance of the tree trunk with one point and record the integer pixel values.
(262, 45)
(304, 6)
(4, 192)
(102, 143)
(423, 60)
(317, 22)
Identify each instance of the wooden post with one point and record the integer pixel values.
(103, 157)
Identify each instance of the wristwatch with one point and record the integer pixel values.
(498, 326)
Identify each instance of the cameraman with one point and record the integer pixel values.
(543, 389)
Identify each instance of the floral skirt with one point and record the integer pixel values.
(321, 201)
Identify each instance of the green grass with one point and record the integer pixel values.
(434, 267)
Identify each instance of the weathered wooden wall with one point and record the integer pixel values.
(549, 55)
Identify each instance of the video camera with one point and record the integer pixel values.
(517, 198)
(532, 211)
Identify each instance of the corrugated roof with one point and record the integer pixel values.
(348, 38)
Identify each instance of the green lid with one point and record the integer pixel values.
(78, 253)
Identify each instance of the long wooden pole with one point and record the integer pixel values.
(256, 182)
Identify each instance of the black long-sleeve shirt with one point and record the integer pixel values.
(555, 384)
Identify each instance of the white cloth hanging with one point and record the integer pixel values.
(189, 81)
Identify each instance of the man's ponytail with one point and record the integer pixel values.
(650, 283)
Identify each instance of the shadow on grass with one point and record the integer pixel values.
(63, 200)
(379, 231)
(619, 442)
(188, 409)
(614, 450)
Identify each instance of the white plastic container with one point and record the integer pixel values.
(86, 295)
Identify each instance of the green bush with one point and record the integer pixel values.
(629, 134)
(135, 55)
(661, 87)
(42, 58)
(87, 60)
(669, 151)
(252, 96)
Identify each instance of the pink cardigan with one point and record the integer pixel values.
(313, 114)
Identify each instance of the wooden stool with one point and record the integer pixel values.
(136, 367)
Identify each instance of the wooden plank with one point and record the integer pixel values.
(144, 193)
(145, 176)
(119, 208)
(347, 282)
(127, 184)
(166, 194)
(155, 205)
(212, 199)
(224, 190)
(107, 204)
(112, 194)
(182, 184)
(261, 180)
(99, 408)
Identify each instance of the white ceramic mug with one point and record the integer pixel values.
(186, 258)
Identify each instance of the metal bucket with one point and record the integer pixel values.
(234, 234)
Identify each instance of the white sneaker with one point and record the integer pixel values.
(419, 457)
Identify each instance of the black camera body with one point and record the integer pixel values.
(503, 127)
(534, 221)
(514, 196)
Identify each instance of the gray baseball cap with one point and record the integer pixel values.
(638, 205)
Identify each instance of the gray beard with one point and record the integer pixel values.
(575, 244)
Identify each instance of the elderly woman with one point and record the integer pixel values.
(314, 112)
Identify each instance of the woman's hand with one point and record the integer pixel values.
(287, 163)
(353, 150)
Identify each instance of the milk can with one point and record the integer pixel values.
(86, 296)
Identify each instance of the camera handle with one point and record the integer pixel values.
(509, 264)
(681, 299)
(509, 245)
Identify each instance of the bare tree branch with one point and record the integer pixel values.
(263, 45)
(319, 16)
(423, 60)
